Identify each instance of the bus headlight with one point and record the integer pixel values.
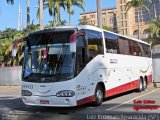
(26, 93)
(65, 93)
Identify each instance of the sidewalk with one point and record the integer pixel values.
(10, 91)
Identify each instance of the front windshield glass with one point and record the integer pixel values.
(48, 63)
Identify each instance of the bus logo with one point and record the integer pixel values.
(114, 61)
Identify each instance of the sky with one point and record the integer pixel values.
(9, 13)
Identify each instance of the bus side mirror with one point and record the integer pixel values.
(14, 52)
(15, 44)
(73, 47)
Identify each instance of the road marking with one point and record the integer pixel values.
(133, 99)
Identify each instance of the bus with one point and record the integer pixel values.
(71, 66)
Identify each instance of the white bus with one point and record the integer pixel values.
(71, 66)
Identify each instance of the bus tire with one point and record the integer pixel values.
(98, 96)
(144, 85)
(140, 87)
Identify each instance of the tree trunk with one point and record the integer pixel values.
(28, 12)
(99, 13)
(155, 11)
(138, 24)
(54, 21)
(70, 19)
(41, 14)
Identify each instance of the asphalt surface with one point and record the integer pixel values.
(128, 106)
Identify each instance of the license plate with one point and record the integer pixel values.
(44, 102)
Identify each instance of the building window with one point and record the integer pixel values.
(121, 23)
(121, 2)
(122, 32)
(121, 16)
(135, 32)
(125, 16)
(121, 8)
(125, 23)
(125, 31)
(146, 31)
(92, 16)
(111, 20)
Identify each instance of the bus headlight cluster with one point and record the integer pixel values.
(26, 93)
(65, 93)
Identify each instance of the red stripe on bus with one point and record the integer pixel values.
(123, 88)
(126, 87)
(149, 78)
(114, 91)
(85, 100)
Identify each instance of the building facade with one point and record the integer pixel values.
(126, 22)
(108, 18)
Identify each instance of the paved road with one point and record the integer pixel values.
(128, 106)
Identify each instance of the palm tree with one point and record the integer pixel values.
(28, 12)
(10, 1)
(41, 13)
(70, 12)
(70, 3)
(154, 27)
(139, 4)
(54, 9)
(62, 23)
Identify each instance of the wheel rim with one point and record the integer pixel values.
(140, 86)
(99, 95)
(145, 84)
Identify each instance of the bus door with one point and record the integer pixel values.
(82, 80)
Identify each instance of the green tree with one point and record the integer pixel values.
(6, 41)
(139, 5)
(55, 9)
(84, 21)
(62, 23)
(108, 28)
(10, 1)
(154, 28)
(70, 3)
(70, 12)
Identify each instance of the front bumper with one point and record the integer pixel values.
(51, 101)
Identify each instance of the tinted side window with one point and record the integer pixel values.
(111, 43)
(146, 50)
(135, 49)
(94, 43)
(81, 55)
(123, 46)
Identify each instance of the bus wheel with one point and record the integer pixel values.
(140, 85)
(98, 96)
(144, 85)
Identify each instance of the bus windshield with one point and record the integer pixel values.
(48, 63)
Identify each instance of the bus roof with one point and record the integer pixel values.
(89, 27)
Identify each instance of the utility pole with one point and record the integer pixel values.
(139, 31)
(41, 14)
(99, 13)
(155, 11)
(19, 17)
(28, 12)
